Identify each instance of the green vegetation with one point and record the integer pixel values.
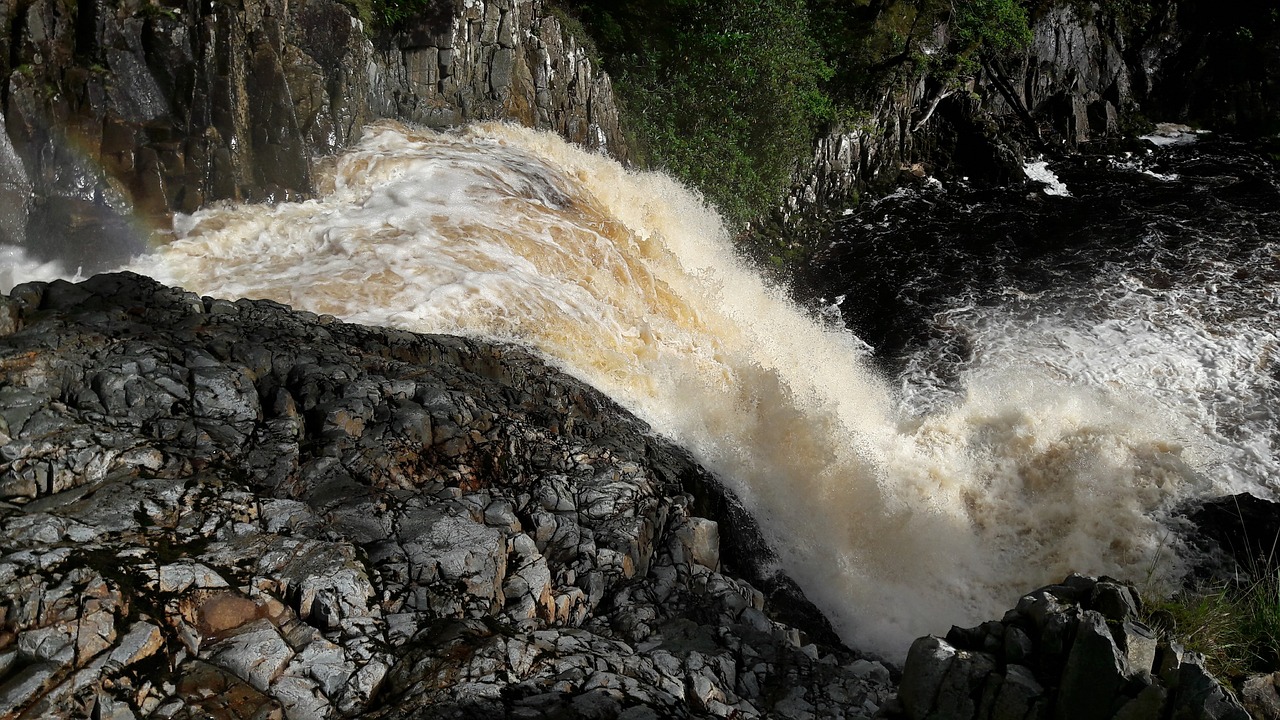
(390, 14)
(997, 26)
(393, 12)
(726, 95)
(1236, 625)
(729, 95)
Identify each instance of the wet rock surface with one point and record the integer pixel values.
(1072, 650)
(1238, 534)
(232, 510)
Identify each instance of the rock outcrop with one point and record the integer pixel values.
(1074, 650)
(1082, 79)
(120, 110)
(1237, 534)
(232, 510)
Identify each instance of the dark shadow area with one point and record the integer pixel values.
(82, 235)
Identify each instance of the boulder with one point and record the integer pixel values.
(1072, 650)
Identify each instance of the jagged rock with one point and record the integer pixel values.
(195, 102)
(1090, 74)
(1095, 671)
(1197, 694)
(231, 510)
(1260, 698)
(255, 652)
(1072, 650)
(1237, 531)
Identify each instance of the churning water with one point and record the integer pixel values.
(1007, 432)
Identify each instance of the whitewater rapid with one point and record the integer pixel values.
(899, 510)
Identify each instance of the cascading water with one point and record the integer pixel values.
(899, 511)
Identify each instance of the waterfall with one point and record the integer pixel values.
(894, 520)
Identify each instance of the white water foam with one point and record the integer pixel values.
(1138, 164)
(1173, 134)
(1198, 355)
(17, 266)
(1039, 172)
(896, 523)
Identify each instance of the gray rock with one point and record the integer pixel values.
(1140, 644)
(1116, 602)
(701, 539)
(20, 690)
(256, 653)
(1198, 695)
(1260, 698)
(1017, 694)
(939, 681)
(1083, 666)
(142, 640)
(1094, 674)
(279, 569)
(1149, 704)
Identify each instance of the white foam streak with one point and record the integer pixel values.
(1039, 172)
(1173, 134)
(895, 525)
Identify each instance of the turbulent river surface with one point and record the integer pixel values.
(1051, 374)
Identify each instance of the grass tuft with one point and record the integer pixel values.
(1234, 623)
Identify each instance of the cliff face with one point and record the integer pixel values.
(234, 510)
(115, 110)
(1224, 71)
(1084, 78)
(120, 110)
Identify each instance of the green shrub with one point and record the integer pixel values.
(1235, 625)
(726, 95)
(997, 26)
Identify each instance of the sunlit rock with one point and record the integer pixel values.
(196, 540)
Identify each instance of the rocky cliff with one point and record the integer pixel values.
(1092, 74)
(1223, 71)
(116, 112)
(1077, 649)
(214, 509)
(1083, 79)
(233, 510)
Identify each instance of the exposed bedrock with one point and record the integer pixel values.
(123, 110)
(1082, 79)
(233, 510)
(1072, 651)
(1092, 74)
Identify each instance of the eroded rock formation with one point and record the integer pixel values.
(1075, 650)
(120, 110)
(1082, 79)
(233, 510)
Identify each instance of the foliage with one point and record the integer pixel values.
(394, 12)
(726, 95)
(997, 26)
(1236, 625)
(390, 14)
